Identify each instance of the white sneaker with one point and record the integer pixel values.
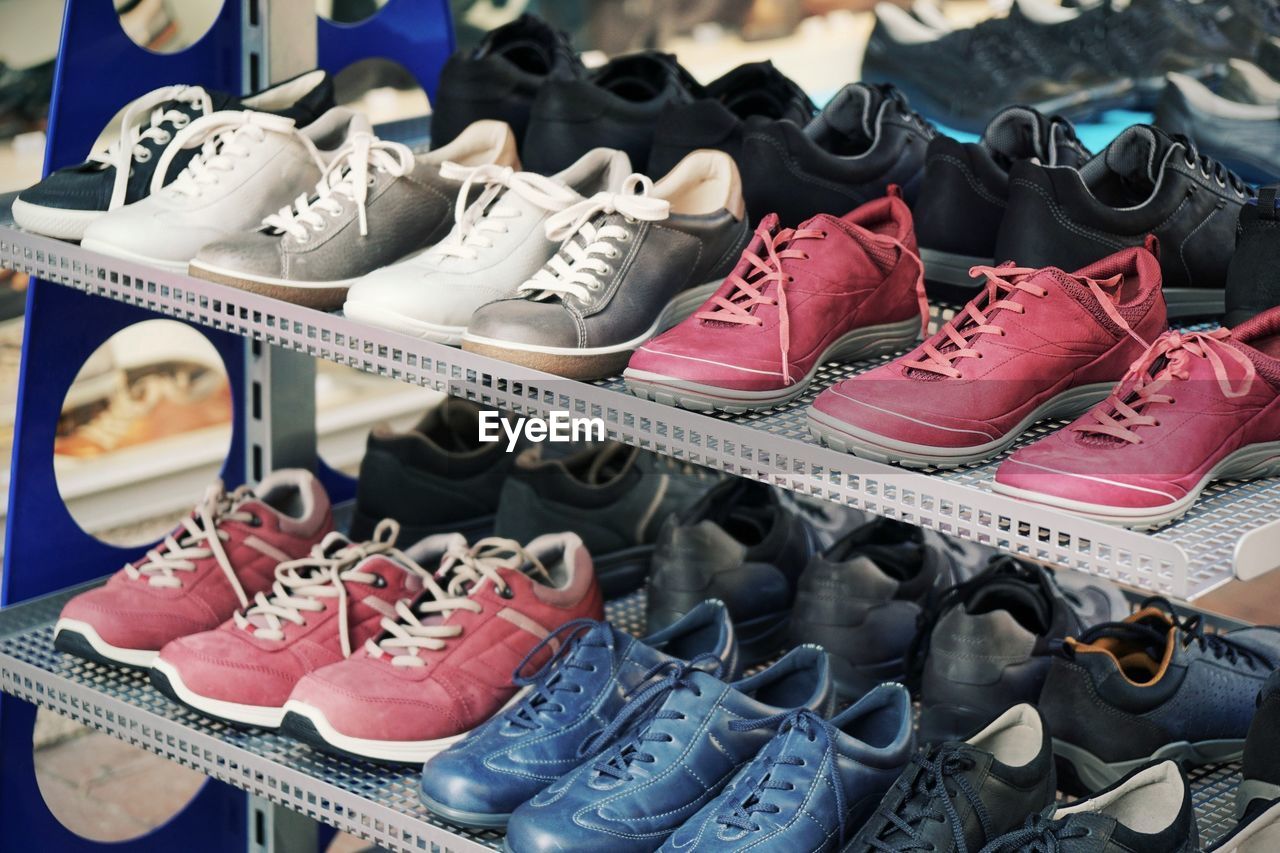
(498, 241)
(250, 163)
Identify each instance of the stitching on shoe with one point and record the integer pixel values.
(972, 180)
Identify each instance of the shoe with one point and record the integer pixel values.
(1243, 137)
(499, 242)
(64, 203)
(1196, 407)
(1144, 183)
(210, 566)
(685, 736)
(148, 22)
(479, 781)
(633, 263)
(750, 95)
(244, 670)
(376, 204)
(959, 795)
(833, 289)
(616, 498)
(1150, 809)
(499, 78)
(617, 106)
(1252, 284)
(24, 98)
(966, 190)
(1149, 677)
(738, 544)
(1247, 83)
(1257, 832)
(813, 785)
(996, 368)
(443, 665)
(1261, 782)
(865, 140)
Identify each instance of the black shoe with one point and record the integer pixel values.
(865, 139)
(747, 97)
(1144, 182)
(1262, 750)
(499, 78)
(1254, 82)
(1243, 137)
(966, 190)
(619, 106)
(24, 97)
(1253, 279)
(742, 545)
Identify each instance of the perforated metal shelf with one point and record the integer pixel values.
(1233, 528)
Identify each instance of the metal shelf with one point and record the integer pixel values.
(1233, 530)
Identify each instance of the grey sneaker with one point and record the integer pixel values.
(377, 203)
(633, 263)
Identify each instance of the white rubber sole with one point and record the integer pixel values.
(250, 715)
(1096, 774)
(374, 315)
(53, 221)
(128, 657)
(125, 255)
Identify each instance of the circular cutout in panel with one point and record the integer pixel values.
(348, 11)
(144, 429)
(167, 26)
(386, 92)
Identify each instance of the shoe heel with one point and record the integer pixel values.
(1069, 778)
(940, 723)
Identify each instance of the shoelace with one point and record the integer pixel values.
(933, 770)
(324, 573)
(1192, 630)
(421, 627)
(473, 222)
(1143, 385)
(110, 426)
(348, 175)
(955, 340)
(1212, 169)
(564, 642)
(590, 245)
(129, 146)
(802, 721)
(200, 537)
(1040, 834)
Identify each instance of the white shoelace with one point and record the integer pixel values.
(472, 223)
(348, 176)
(421, 627)
(590, 246)
(129, 147)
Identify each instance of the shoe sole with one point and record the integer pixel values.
(56, 222)
(868, 445)
(125, 255)
(464, 819)
(1081, 773)
(594, 362)
(374, 315)
(1247, 463)
(81, 639)
(862, 343)
(321, 295)
(166, 679)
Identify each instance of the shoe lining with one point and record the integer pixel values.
(1148, 803)
(702, 183)
(1204, 99)
(1264, 89)
(902, 28)
(1015, 738)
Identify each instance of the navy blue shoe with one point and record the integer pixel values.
(1257, 832)
(479, 781)
(813, 784)
(679, 750)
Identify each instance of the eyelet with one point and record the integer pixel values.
(164, 137)
(507, 592)
(379, 582)
(371, 181)
(254, 520)
(144, 156)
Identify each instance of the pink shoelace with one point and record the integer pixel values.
(1117, 417)
(749, 292)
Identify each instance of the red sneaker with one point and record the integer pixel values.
(1034, 344)
(210, 566)
(836, 288)
(1197, 407)
(447, 665)
(321, 608)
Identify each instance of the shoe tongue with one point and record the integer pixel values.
(850, 114)
(1019, 133)
(1138, 154)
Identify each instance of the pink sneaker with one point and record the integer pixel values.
(447, 665)
(320, 609)
(1197, 407)
(210, 566)
(1034, 344)
(834, 289)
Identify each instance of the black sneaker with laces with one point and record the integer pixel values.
(1253, 278)
(1262, 750)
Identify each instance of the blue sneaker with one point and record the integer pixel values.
(678, 752)
(479, 781)
(815, 782)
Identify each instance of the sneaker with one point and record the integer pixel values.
(1150, 809)
(1257, 832)
(1255, 82)
(966, 189)
(617, 106)
(1196, 407)
(683, 741)
(1148, 678)
(479, 781)
(633, 263)
(64, 203)
(499, 78)
(210, 566)
(1243, 137)
(244, 670)
(1253, 282)
(499, 242)
(959, 795)
(375, 204)
(813, 785)
(865, 139)
(444, 665)
(741, 545)
(1261, 782)
(1145, 182)
(834, 289)
(996, 368)
(616, 498)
